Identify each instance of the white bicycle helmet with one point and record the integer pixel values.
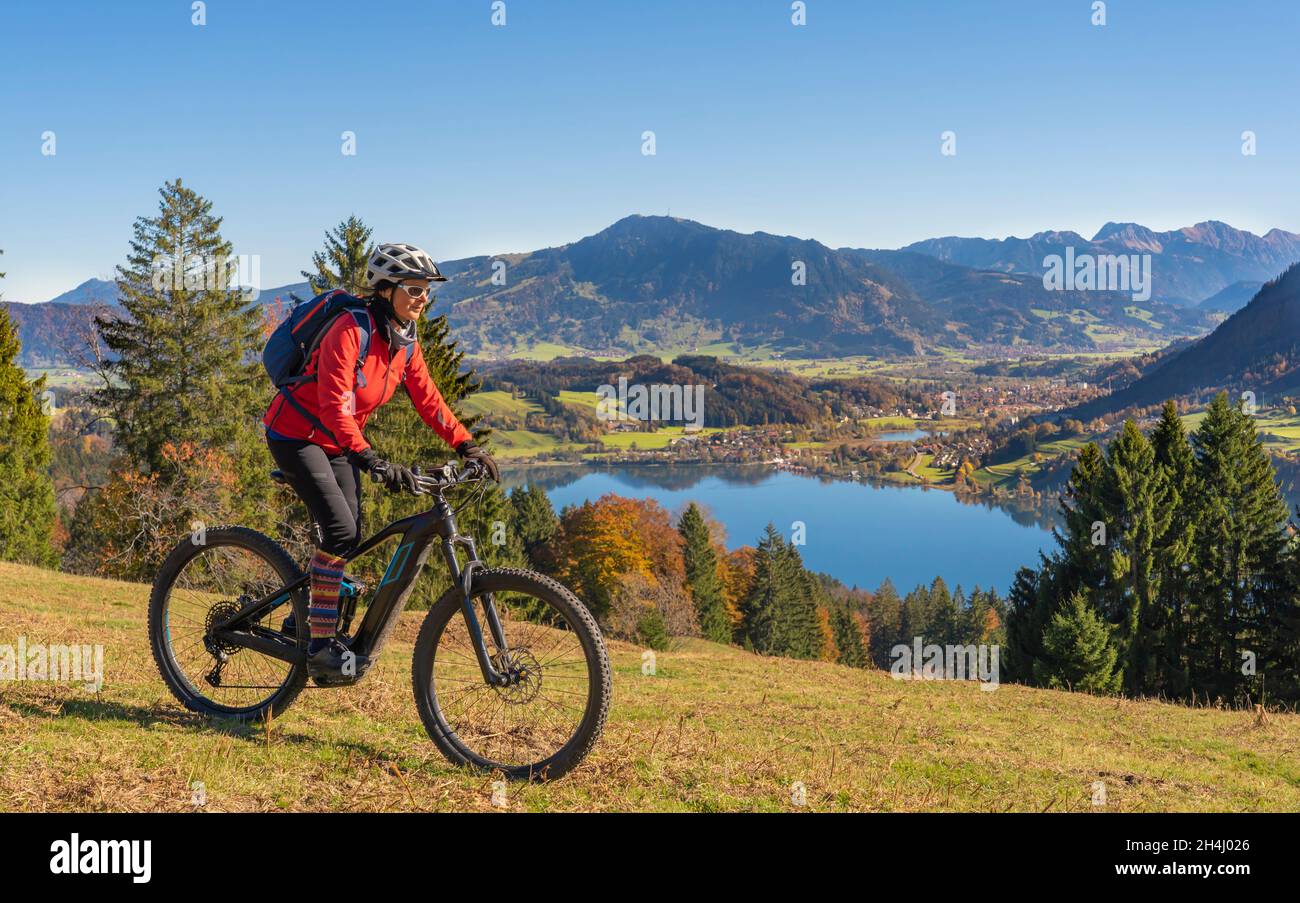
(395, 262)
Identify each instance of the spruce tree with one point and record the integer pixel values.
(342, 263)
(1078, 653)
(1177, 461)
(886, 620)
(185, 366)
(799, 625)
(702, 578)
(1035, 597)
(533, 521)
(1083, 561)
(848, 638)
(917, 615)
(27, 509)
(768, 592)
(945, 613)
(1137, 492)
(1239, 586)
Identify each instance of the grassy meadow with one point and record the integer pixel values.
(714, 728)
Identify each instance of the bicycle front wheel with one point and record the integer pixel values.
(548, 719)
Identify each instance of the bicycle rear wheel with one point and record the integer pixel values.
(544, 724)
(196, 586)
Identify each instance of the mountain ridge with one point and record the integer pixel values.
(1190, 264)
(663, 281)
(646, 283)
(1256, 349)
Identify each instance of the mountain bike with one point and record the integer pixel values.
(510, 671)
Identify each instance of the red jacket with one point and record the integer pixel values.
(335, 399)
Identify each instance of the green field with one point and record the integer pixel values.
(486, 404)
(548, 351)
(520, 443)
(715, 728)
(1281, 431)
(579, 399)
(526, 444)
(660, 438)
(64, 377)
(921, 471)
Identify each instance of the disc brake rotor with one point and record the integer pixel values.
(525, 674)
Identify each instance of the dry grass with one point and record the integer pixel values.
(714, 729)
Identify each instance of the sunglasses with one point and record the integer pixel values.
(415, 291)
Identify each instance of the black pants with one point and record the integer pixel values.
(330, 486)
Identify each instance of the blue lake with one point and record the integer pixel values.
(900, 436)
(857, 532)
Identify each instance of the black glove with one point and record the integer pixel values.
(471, 452)
(395, 477)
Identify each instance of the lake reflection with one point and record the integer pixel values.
(857, 532)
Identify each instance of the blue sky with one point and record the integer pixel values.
(480, 139)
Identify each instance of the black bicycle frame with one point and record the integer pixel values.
(417, 533)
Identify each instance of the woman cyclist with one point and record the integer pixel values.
(314, 429)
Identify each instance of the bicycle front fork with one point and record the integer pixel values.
(465, 578)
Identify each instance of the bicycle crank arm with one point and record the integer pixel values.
(274, 646)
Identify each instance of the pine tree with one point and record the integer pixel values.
(533, 521)
(887, 623)
(343, 261)
(799, 632)
(27, 509)
(185, 368)
(1238, 582)
(768, 592)
(1137, 493)
(848, 638)
(1175, 458)
(1078, 653)
(1084, 561)
(702, 578)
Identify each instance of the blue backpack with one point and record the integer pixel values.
(291, 345)
(294, 341)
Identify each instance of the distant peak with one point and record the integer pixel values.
(1054, 236)
(1213, 230)
(1275, 234)
(1134, 236)
(1122, 230)
(639, 218)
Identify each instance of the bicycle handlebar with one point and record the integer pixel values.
(441, 478)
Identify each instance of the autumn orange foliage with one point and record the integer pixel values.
(602, 544)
